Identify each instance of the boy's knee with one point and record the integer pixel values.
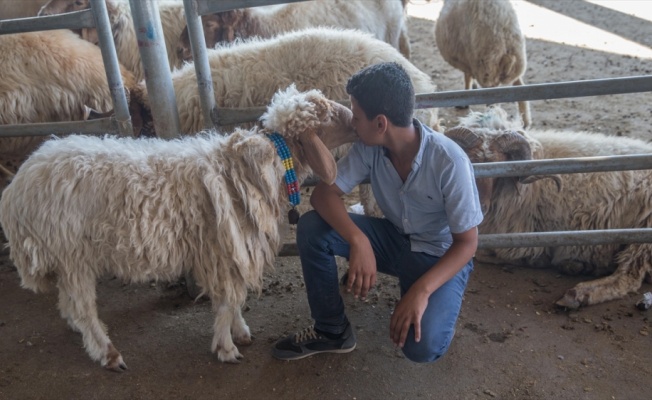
(421, 353)
(307, 223)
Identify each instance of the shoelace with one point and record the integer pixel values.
(306, 334)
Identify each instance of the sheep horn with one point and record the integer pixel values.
(516, 146)
(463, 136)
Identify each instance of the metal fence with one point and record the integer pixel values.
(165, 113)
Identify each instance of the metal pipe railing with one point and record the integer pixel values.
(542, 239)
(154, 57)
(96, 126)
(211, 6)
(72, 20)
(594, 87)
(112, 68)
(202, 67)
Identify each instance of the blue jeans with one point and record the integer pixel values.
(319, 244)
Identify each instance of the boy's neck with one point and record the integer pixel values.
(402, 145)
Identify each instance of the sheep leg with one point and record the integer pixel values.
(633, 265)
(240, 330)
(524, 107)
(222, 340)
(404, 42)
(468, 81)
(77, 303)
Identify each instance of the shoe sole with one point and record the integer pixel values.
(300, 356)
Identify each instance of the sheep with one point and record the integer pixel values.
(49, 76)
(11, 9)
(246, 74)
(483, 39)
(173, 21)
(570, 202)
(386, 20)
(148, 208)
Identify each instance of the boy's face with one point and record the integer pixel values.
(366, 129)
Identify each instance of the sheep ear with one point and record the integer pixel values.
(318, 157)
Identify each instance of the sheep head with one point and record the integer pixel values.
(492, 145)
(311, 125)
(221, 27)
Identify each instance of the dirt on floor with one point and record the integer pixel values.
(510, 343)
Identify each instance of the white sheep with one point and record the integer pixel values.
(173, 21)
(142, 209)
(247, 73)
(384, 19)
(483, 39)
(569, 202)
(11, 9)
(49, 76)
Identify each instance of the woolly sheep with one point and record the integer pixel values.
(173, 21)
(483, 39)
(11, 9)
(247, 73)
(569, 202)
(143, 209)
(386, 20)
(49, 76)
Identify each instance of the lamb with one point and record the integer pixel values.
(483, 39)
(173, 21)
(49, 76)
(143, 209)
(386, 20)
(570, 202)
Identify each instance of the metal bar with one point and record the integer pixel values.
(96, 126)
(594, 87)
(211, 6)
(562, 166)
(565, 238)
(112, 67)
(200, 57)
(153, 53)
(73, 20)
(542, 239)
(552, 166)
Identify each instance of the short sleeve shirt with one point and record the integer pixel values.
(438, 197)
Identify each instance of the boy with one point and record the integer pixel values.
(424, 184)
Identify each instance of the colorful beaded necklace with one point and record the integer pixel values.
(290, 175)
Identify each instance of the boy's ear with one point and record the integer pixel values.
(381, 123)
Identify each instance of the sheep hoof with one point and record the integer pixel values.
(569, 300)
(114, 360)
(116, 365)
(232, 356)
(243, 340)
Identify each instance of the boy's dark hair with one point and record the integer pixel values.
(386, 89)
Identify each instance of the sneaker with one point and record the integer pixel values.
(309, 342)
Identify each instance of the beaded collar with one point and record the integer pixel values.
(290, 175)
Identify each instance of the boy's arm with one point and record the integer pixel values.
(412, 305)
(327, 201)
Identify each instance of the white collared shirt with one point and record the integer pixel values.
(438, 197)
